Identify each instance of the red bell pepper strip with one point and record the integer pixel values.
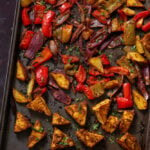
(127, 91)
(80, 74)
(25, 17)
(97, 14)
(79, 87)
(42, 75)
(26, 40)
(64, 7)
(118, 70)
(39, 13)
(88, 92)
(72, 2)
(51, 1)
(123, 16)
(46, 23)
(123, 103)
(142, 14)
(139, 23)
(69, 59)
(146, 27)
(39, 91)
(104, 59)
(44, 56)
(93, 71)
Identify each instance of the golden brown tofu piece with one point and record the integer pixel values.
(78, 112)
(19, 97)
(90, 139)
(59, 120)
(21, 72)
(134, 3)
(129, 142)
(96, 63)
(61, 140)
(36, 135)
(111, 84)
(126, 120)
(87, 33)
(111, 124)
(97, 90)
(39, 105)
(116, 25)
(22, 123)
(101, 110)
(61, 80)
(139, 100)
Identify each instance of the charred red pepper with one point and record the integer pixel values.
(69, 59)
(104, 59)
(42, 75)
(93, 71)
(39, 91)
(26, 40)
(51, 1)
(123, 103)
(118, 70)
(79, 87)
(122, 15)
(25, 17)
(142, 14)
(81, 74)
(39, 13)
(127, 91)
(146, 27)
(97, 14)
(44, 56)
(46, 23)
(64, 7)
(88, 92)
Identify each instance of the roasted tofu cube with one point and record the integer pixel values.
(126, 120)
(97, 90)
(78, 112)
(90, 139)
(59, 120)
(61, 140)
(111, 84)
(134, 3)
(96, 63)
(101, 110)
(61, 80)
(111, 124)
(129, 142)
(21, 72)
(22, 123)
(19, 97)
(36, 135)
(116, 25)
(39, 105)
(139, 100)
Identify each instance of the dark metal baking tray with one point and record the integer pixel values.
(9, 140)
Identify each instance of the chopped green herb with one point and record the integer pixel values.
(42, 79)
(69, 60)
(70, 49)
(112, 139)
(64, 141)
(131, 71)
(79, 108)
(38, 54)
(99, 132)
(43, 2)
(77, 48)
(95, 126)
(40, 130)
(102, 13)
(97, 40)
(133, 48)
(37, 138)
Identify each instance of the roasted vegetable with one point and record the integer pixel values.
(60, 140)
(134, 3)
(90, 139)
(115, 25)
(87, 33)
(146, 42)
(129, 32)
(124, 103)
(128, 11)
(22, 123)
(37, 134)
(81, 74)
(126, 120)
(59, 120)
(26, 3)
(61, 79)
(39, 105)
(78, 112)
(135, 56)
(139, 45)
(19, 97)
(97, 90)
(96, 63)
(111, 124)
(129, 142)
(21, 72)
(101, 110)
(139, 100)
(111, 84)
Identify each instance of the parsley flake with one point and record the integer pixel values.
(95, 126)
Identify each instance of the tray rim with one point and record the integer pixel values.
(7, 85)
